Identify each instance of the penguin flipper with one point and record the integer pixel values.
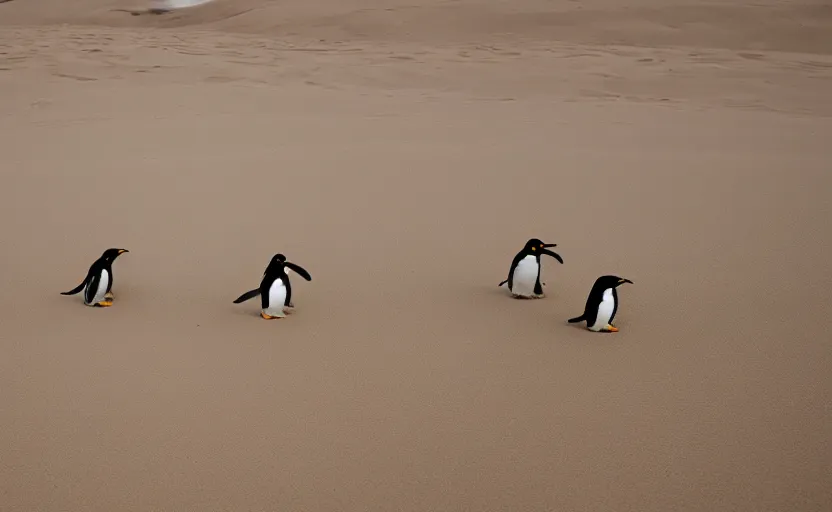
(576, 319)
(299, 270)
(247, 296)
(552, 254)
(80, 286)
(76, 289)
(501, 284)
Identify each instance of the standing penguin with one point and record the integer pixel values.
(524, 274)
(98, 284)
(602, 304)
(275, 290)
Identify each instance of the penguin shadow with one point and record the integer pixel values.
(503, 291)
(253, 311)
(603, 335)
(582, 328)
(502, 294)
(494, 290)
(563, 322)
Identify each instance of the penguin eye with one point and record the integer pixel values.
(534, 248)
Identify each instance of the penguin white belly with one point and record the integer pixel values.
(277, 298)
(525, 277)
(102, 287)
(605, 309)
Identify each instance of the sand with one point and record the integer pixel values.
(403, 152)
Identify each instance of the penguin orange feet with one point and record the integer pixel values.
(269, 317)
(109, 296)
(611, 328)
(104, 304)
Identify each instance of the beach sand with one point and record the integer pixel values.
(403, 152)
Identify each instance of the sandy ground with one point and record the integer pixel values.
(403, 153)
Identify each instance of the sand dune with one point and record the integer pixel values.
(402, 153)
(768, 25)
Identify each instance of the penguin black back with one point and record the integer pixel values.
(272, 269)
(276, 269)
(94, 275)
(596, 297)
(534, 247)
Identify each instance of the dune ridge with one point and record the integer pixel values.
(773, 25)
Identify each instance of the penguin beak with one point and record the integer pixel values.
(121, 251)
(550, 245)
(622, 281)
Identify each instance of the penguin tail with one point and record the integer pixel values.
(74, 290)
(576, 319)
(247, 296)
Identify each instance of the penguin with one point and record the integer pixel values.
(98, 284)
(275, 290)
(602, 304)
(524, 274)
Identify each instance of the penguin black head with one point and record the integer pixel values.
(111, 254)
(279, 264)
(536, 246)
(611, 281)
(275, 264)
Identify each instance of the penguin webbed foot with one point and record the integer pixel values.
(611, 328)
(104, 304)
